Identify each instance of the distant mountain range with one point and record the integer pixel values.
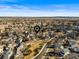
(38, 18)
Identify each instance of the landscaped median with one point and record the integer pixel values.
(34, 49)
(39, 55)
(42, 51)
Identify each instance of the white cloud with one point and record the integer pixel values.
(16, 10)
(13, 7)
(57, 6)
(38, 13)
(4, 7)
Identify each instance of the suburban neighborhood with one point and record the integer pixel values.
(39, 37)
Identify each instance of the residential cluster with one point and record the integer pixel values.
(18, 38)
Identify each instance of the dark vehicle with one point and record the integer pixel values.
(54, 46)
(75, 49)
(53, 53)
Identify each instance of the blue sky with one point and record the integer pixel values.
(39, 8)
